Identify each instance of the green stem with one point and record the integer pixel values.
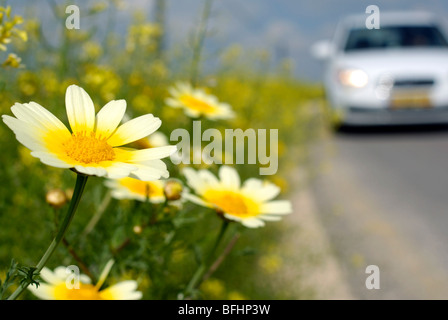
(199, 42)
(196, 279)
(81, 181)
(97, 216)
(225, 224)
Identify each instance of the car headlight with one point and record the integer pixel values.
(355, 78)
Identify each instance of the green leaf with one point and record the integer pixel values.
(10, 277)
(28, 274)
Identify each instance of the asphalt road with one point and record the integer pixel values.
(382, 196)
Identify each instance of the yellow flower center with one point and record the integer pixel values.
(85, 292)
(88, 148)
(196, 104)
(233, 203)
(145, 188)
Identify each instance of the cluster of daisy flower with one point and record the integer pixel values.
(98, 145)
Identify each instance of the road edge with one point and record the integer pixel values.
(320, 273)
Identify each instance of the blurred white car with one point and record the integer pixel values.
(397, 74)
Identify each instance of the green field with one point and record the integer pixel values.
(163, 255)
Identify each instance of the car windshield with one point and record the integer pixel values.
(395, 37)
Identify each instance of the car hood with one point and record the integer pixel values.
(409, 61)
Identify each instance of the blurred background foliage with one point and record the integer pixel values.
(138, 67)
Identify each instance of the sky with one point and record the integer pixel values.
(282, 27)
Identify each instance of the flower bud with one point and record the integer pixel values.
(56, 198)
(173, 189)
(137, 229)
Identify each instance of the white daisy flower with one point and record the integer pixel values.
(196, 102)
(61, 284)
(130, 188)
(250, 204)
(94, 146)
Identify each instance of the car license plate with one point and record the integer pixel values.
(410, 99)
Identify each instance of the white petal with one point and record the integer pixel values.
(229, 177)
(208, 178)
(173, 103)
(259, 190)
(146, 173)
(51, 160)
(62, 273)
(27, 134)
(268, 192)
(52, 277)
(124, 290)
(121, 194)
(134, 130)
(232, 217)
(252, 184)
(196, 200)
(111, 183)
(277, 207)
(151, 154)
(35, 114)
(80, 109)
(118, 170)
(192, 179)
(252, 222)
(156, 164)
(43, 292)
(270, 217)
(91, 171)
(109, 117)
